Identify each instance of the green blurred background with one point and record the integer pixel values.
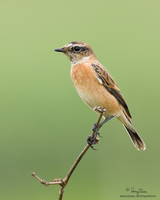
(44, 124)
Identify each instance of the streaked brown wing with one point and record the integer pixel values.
(110, 85)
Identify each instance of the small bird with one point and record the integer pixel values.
(96, 87)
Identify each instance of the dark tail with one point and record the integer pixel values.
(137, 141)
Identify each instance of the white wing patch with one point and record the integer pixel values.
(100, 81)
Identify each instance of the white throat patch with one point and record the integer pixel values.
(84, 59)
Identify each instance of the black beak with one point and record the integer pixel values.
(60, 50)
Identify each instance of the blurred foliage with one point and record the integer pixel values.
(44, 123)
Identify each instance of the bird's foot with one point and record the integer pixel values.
(96, 128)
(99, 109)
(91, 141)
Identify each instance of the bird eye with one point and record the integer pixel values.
(77, 48)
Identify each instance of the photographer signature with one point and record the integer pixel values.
(140, 190)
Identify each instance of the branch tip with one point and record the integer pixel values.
(33, 173)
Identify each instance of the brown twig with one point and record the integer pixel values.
(64, 182)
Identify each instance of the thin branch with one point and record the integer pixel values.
(64, 182)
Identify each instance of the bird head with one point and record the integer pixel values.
(77, 51)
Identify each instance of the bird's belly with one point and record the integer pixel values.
(88, 97)
(99, 97)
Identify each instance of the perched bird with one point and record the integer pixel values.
(96, 87)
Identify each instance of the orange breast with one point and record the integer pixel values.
(90, 89)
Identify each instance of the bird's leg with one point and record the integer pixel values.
(96, 129)
(105, 120)
(93, 139)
